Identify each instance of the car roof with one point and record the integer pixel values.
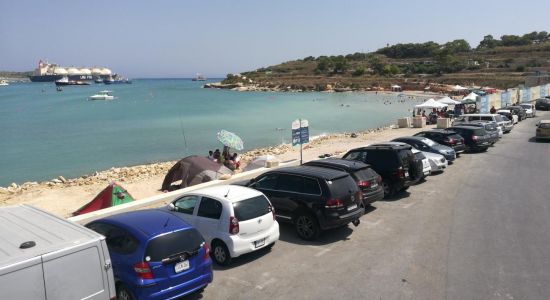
(544, 121)
(416, 138)
(146, 223)
(348, 165)
(324, 173)
(230, 193)
(464, 127)
(393, 145)
(443, 131)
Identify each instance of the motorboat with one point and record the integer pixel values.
(116, 80)
(4, 83)
(199, 77)
(98, 80)
(103, 95)
(65, 81)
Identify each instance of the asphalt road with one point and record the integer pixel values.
(480, 230)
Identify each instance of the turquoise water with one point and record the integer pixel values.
(45, 133)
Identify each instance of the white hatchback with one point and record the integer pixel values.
(233, 220)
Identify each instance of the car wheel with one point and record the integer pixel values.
(122, 293)
(388, 189)
(306, 226)
(220, 254)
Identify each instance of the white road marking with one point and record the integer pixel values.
(268, 282)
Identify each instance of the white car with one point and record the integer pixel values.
(438, 162)
(529, 109)
(426, 167)
(233, 220)
(508, 113)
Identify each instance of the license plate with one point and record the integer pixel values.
(181, 266)
(352, 207)
(259, 243)
(374, 185)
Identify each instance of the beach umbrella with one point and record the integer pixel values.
(230, 140)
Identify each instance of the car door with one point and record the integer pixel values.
(185, 207)
(267, 184)
(208, 218)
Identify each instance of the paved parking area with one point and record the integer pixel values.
(480, 230)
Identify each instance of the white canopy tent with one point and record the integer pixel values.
(447, 100)
(431, 103)
(471, 96)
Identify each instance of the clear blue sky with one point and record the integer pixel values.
(181, 38)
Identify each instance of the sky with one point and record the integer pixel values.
(181, 38)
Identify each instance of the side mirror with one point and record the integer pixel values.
(172, 207)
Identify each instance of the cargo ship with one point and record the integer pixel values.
(46, 72)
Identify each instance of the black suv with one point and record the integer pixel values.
(475, 138)
(392, 162)
(543, 103)
(445, 137)
(366, 178)
(312, 198)
(517, 110)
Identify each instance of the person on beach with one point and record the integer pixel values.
(236, 159)
(211, 155)
(216, 155)
(493, 110)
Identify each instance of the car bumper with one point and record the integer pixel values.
(176, 291)
(459, 148)
(333, 220)
(373, 196)
(543, 137)
(238, 245)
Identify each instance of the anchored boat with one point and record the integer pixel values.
(103, 95)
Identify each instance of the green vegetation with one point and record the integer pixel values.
(11, 74)
(500, 62)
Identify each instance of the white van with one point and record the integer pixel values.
(46, 257)
(469, 118)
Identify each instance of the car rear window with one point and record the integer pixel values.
(251, 208)
(365, 174)
(170, 244)
(491, 127)
(428, 142)
(342, 187)
(405, 156)
(486, 118)
(544, 125)
(479, 131)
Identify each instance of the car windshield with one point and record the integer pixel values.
(173, 243)
(251, 208)
(429, 142)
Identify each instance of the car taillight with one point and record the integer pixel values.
(363, 183)
(451, 141)
(272, 210)
(206, 251)
(143, 271)
(400, 172)
(334, 203)
(475, 137)
(233, 225)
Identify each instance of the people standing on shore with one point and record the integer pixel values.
(493, 110)
(216, 155)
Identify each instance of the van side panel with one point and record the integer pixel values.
(23, 280)
(75, 274)
(110, 278)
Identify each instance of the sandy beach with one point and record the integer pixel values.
(63, 196)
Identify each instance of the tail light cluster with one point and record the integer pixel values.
(475, 137)
(400, 172)
(233, 225)
(451, 141)
(363, 183)
(272, 210)
(334, 203)
(143, 270)
(206, 251)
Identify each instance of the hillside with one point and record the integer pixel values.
(497, 63)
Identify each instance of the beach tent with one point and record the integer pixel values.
(193, 170)
(470, 99)
(459, 88)
(396, 88)
(431, 103)
(447, 100)
(259, 162)
(112, 195)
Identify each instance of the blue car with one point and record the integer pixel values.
(427, 145)
(155, 255)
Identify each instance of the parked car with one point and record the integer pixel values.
(445, 137)
(233, 219)
(543, 103)
(392, 162)
(47, 257)
(475, 138)
(530, 109)
(504, 123)
(155, 255)
(438, 162)
(426, 167)
(517, 110)
(492, 129)
(427, 145)
(367, 179)
(312, 198)
(508, 114)
(543, 130)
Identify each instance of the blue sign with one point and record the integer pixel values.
(300, 132)
(543, 91)
(504, 99)
(526, 95)
(484, 106)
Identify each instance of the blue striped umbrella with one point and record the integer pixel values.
(230, 140)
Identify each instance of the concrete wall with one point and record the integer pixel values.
(164, 199)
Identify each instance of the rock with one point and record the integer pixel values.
(63, 180)
(56, 180)
(4, 190)
(13, 185)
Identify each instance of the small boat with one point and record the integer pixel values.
(4, 83)
(116, 80)
(199, 77)
(98, 80)
(103, 95)
(65, 81)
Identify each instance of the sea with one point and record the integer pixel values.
(45, 133)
